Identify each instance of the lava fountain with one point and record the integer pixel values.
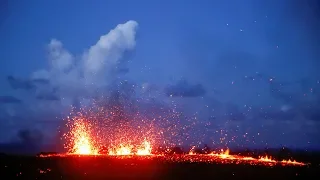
(82, 142)
(83, 138)
(145, 149)
(128, 149)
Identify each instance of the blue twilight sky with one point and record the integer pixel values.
(246, 66)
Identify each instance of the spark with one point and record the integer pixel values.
(222, 157)
(87, 135)
(81, 139)
(145, 149)
(121, 150)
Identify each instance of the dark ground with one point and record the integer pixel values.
(27, 167)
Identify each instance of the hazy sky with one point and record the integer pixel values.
(250, 65)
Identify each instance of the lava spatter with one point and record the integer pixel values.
(81, 141)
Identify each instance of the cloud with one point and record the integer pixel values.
(98, 67)
(41, 81)
(88, 75)
(75, 79)
(183, 89)
(94, 78)
(105, 55)
(27, 84)
(16, 83)
(48, 97)
(61, 60)
(9, 100)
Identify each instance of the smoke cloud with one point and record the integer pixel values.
(70, 80)
(96, 68)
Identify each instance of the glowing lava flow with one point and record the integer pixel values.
(144, 149)
(82, 146)
(82, 142)
(121, 150)
(225, 157)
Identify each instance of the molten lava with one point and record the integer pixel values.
(225, 157)
(121, 150)
(144, 149)
(82, 142)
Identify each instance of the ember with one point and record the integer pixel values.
(145, 149)
(80, 141)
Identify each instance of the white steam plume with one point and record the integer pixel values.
(81, 77)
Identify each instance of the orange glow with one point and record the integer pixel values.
(225, 155)
(266, 159)
(121, 150)
(126, 152)
(145, 149)
(292, 162)
(128, 149)
(191, 152)
(82, 142)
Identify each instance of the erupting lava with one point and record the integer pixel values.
(225, 155)
(144, 149)
(121, 150)
(82, 142)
